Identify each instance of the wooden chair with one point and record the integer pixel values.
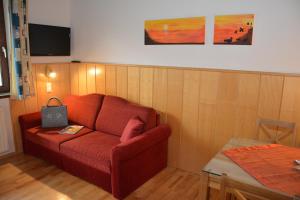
(277, 130)
(231, 189)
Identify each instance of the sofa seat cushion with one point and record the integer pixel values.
(116, 112)
(83, 110)
(50, 138)
(93, 149)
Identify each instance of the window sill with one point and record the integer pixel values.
(4, 96)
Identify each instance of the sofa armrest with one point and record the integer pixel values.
(134, 146)
(139, 159)
(30, 120)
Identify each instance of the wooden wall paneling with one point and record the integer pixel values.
(226, 117)
(209, 87)
(82, 79)
(270, 98)
(209, 82)
(122, 82)
(31, 103)
(190, 117)
(74, 78)
(41, 80)
(57, 82)
(111, 80)
(60, 84)
(160, 84)
(174, 113)
(17, 108)
(134, 84)
(91, 78)
(290, 108)
(146, 86)
(66, 80)
(100, 79)
(203, 108)
(249, 85)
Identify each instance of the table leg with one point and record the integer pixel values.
(204, 186)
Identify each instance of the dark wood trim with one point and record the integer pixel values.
(4, 62)
(4, 96)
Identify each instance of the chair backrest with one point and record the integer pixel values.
(276, 130)
(241, 191)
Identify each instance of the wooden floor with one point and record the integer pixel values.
(24, 177)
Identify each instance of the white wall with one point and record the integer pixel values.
(50, 12)
(113, 31)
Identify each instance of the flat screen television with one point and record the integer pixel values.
(49, 40)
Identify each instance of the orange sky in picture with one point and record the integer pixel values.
(229, 26)
(177, 31)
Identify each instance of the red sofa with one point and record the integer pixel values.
(96, 153)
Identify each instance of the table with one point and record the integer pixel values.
(220, 164)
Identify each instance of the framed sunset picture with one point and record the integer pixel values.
(234, 29)
(175, 31)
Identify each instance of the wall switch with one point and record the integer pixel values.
(49, 87)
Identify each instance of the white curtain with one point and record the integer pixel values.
(21, 79)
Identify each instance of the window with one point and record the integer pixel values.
(4, 72)
(1, 84)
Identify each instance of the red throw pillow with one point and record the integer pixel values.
(134, 127)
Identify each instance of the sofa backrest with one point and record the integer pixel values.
(116, 112)
(83, 110)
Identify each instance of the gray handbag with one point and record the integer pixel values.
(54, 116)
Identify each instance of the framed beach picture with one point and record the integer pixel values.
(180, 31)
(234, 29)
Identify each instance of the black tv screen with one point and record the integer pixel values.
(49, 40)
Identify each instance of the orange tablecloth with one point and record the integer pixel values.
(272, 165)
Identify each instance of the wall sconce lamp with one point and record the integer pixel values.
(50, 73)
(95, 71)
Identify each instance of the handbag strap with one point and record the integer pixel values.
(54, 98)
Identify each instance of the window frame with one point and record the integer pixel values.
(5, 88)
